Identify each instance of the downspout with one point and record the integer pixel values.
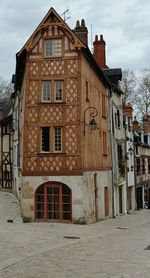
(111, 148)
(126, 163)
(135, 176)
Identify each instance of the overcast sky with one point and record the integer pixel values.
(125, 26)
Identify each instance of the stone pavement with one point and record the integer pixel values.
(113, 248)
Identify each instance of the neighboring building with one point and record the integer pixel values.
(64, 167)
(142, 159)
(16, 136)
(6, 153)
(129, 156)
(119, 188)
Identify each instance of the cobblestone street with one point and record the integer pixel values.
(111, 248)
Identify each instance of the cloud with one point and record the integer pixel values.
(125, 26)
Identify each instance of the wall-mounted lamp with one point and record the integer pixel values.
(92, 123)
(130, 150)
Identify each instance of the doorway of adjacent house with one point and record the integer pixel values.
(106, 198)
(120, 200)
(129, 198)
(139, 198)
(53, 202)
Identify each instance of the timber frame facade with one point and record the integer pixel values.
(57, 79)
(65, 167)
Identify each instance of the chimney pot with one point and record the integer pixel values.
(101, 38)
(83, 23)
(96, 38)
(78, 24)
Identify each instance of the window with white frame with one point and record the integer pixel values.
(52, 91)
(46, 90)
(58, 139)
(53, 48)
(58, 90)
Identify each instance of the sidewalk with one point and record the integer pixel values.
(9, 208)
(113, 248)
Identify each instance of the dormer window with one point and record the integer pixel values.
(52, 48)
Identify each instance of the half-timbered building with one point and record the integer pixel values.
(64, 145)
(6, 153)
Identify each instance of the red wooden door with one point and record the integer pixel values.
(53, 202)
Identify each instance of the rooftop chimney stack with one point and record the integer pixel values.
(81, 31)
(1, 114)
(127, 109)
(99, 51)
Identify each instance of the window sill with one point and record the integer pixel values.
(51, 153)
(53, 57)
(51, 103)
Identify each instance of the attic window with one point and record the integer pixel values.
(53, 48)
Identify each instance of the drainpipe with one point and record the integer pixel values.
(111, 148)
(126, 164)
(135, 176)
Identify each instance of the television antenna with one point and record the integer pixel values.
(66, 15)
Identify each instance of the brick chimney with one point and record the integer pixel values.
(127, 109)
(81, 31)
(1, 114)
(146, 123)
(99, 51)
(136, 126)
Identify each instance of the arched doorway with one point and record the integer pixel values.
(53, 202)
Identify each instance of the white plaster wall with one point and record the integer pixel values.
(130, 178)
(83, 194)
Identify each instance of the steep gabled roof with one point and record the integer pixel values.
(53, 18)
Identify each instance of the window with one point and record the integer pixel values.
(143, 165)
(58, 90)
(149, 165)
(138, 166)
(104, 143)
(129, 124)
(58, 140)
(48, 144)
(52, 91)
(117, 119)
(45, 139)
(46, 90)
(53, 48)
(103, 106)
(145, 139)
(87, 91)
(120, 153)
